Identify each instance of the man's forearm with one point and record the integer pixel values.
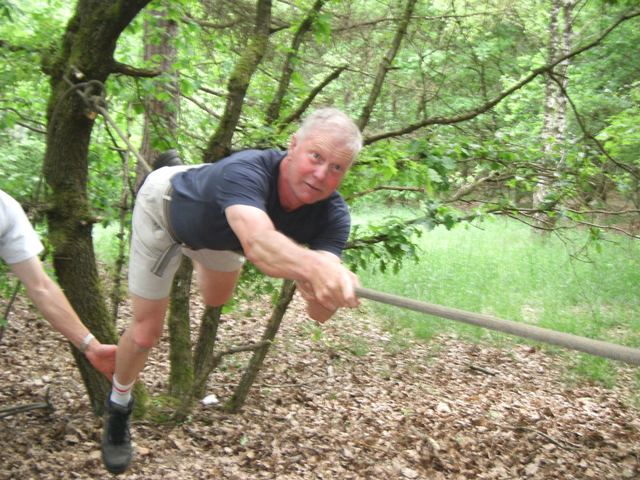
(55, 308)
(49, 299)
(278, 256)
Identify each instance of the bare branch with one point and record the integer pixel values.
(273, 110)
(42, 131)
(130, 71)
(33, 125)
(420, 18)
(201, 106)
(470, 187)
(627, 168)
(312, 95)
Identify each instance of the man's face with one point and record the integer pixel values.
(312, 169)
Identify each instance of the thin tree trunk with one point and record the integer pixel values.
(385, 65)
(123, 210)
(85, 53)
(160, 117)
(218, 147)
(242, 390)
(207, 337)
(555, 111)
(273, 111)
(180, 357)
(220, 143)
(204, 361)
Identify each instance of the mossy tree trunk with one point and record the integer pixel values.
(219, 145)
(273, 111)
(241, 392)
(181, 360)
(85, 53)
(204, 361)
(204, 349)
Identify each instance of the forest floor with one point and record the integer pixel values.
(342, 401)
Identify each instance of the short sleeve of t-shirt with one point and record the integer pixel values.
(244, 183)
(18, 240)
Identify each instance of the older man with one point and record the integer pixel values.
(279, 210)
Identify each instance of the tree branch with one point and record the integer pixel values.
(273, 110)
(130, 71)
(421, 18)
(384, 187)
(439, 120)
(312, 95)
(385, 65)
(627, 168)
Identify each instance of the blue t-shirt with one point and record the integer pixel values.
(201, 195)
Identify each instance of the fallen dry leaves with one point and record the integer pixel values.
(339, 402)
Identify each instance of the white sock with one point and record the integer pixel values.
(121, 394)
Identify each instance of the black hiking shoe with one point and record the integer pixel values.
(116, 438)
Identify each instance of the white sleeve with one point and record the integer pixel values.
(18, 240)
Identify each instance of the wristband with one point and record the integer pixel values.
(85, 343)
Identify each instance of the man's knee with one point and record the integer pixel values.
(145, 339)
(148, 321)
(146, 333)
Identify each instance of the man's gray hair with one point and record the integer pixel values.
(335, 121)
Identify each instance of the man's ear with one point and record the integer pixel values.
(293, 142)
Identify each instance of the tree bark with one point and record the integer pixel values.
(273, 111)
(555, 108)
(242, 390)
(385, 65)
(220, 143)
(160, 117)
(207, 337)
(85, 53)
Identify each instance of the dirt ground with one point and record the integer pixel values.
(343, 401)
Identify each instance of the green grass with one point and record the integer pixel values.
(501, 268)
(105, 242)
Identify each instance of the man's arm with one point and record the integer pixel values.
(331, 284)
(56, 309)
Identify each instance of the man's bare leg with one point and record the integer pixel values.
(216, 287)
(140, 337)
(133, 349)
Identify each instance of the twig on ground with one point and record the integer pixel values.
(14, 409)
(482, 369)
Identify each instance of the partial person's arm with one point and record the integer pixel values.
(321, 275)
(50, 300)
